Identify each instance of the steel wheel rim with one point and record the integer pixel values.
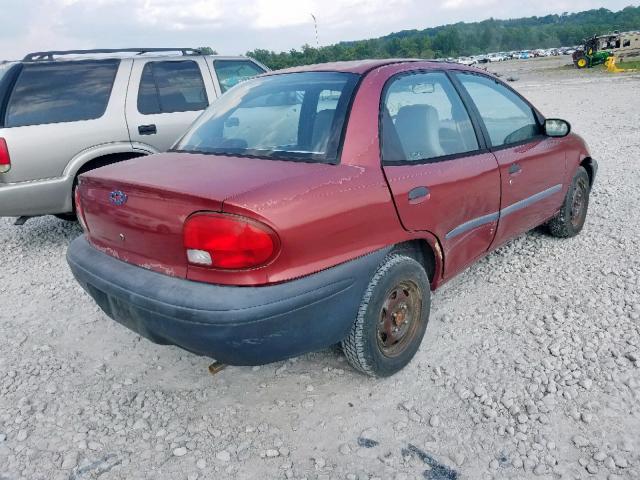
(399, 318)
(579, 202)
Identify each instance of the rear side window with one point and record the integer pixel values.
(167, 87)
(424, 118)
(507, 117)
(232, 72)
(61, 92)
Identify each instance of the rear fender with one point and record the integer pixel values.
(85, 156)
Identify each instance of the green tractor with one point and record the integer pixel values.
(598, 49)
(590, 55)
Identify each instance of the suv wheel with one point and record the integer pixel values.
(392, 318)
(67, 217)
(573, 212)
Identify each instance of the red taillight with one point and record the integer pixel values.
(228, 241)
(5, 159)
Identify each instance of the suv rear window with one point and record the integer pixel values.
(232, 72)
(295, 116)
(167, 87)
(61, 92)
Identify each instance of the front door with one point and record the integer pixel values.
(441, 178)
(165, 97)
(531, 164)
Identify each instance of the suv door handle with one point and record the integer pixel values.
(418, 195)
(147, 129)
(514, 169)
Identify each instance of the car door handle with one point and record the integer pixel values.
(147, 129)
(418, 195)
(514, 169)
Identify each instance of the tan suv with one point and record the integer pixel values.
(63, 113)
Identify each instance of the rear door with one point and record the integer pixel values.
(165, 97)
(441, 177)
(532, 165)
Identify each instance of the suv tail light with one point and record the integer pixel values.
(228, 242)
(5, 159)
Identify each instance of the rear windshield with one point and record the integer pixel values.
(295, 116)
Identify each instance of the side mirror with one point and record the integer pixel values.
(554, 127)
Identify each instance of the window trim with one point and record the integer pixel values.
(482, 145)
(538, 117)
(5, 106)
(243, 60)
(6, 89)
(155, 84)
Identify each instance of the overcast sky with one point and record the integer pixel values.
(235, 26)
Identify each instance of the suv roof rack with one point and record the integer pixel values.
(40, 56)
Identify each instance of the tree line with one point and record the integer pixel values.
(465, 38)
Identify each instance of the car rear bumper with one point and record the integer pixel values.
(234, 325)
(39, 197)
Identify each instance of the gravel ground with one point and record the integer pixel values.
(530, 367)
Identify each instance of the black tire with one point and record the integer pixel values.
(67, 217)
(581, 62)
(370, 346)
(573, 212)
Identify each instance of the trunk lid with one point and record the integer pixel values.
(135, 210)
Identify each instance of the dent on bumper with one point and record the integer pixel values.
(234, 325)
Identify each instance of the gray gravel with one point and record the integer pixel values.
(530, 367)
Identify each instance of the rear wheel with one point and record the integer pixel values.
(573, 213)
(67, 217)
(392, 318)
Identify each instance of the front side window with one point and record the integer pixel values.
(168, 87)
(232, 72)
(507, 117)
(61, 92)
(297, 116)
(423, 118)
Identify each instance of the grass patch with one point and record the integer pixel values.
(633, 64)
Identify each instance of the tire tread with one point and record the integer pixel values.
(353, 345)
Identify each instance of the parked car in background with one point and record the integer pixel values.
(468, 61)
(64, 113)
(337, 196)
(495, 57)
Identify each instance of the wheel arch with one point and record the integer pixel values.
(95, 157)
(428, 252)
(587, 163)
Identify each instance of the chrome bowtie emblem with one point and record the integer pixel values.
(117, 198)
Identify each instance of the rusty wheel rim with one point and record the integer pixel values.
(579, 202)
(399, 318)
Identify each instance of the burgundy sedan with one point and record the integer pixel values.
(321, 205)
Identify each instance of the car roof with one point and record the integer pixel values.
(363, 66)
